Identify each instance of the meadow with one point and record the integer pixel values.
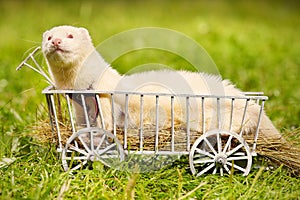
(254, 44)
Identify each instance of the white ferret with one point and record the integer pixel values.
(74, 63)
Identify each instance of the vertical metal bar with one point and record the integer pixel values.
(231, 114)
(244, 116)
(59, 110)
(141, 121)
(219, 113)
(126, 121)
(50, 112)
(100, 111)
(258, 125)
(219, 125)
(56, 122)
(172, 125)
(70, 113)
(156, 123)
(188, 123)
(113, 114)
(227, 145)
(203, 115)
(85, 110)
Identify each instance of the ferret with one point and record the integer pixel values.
(75, 64)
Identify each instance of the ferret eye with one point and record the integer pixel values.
(49, 38)
(70, 36)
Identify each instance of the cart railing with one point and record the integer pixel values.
(173, 145)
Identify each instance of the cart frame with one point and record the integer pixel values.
(219, 154)
(214, 150)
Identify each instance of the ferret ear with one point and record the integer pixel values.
(45, 34)
(84, 32)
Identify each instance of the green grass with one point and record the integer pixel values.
(254, 44)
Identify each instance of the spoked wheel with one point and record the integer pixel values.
(92, 144)
(220, 151)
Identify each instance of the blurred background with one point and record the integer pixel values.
(255, 44)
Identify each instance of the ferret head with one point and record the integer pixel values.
(66, 46)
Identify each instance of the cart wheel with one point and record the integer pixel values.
(221, 151)
(92, 144)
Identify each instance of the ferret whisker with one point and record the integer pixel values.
(31, 41)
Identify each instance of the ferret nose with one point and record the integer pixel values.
(56, 42)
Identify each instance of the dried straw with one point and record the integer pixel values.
(280, 152)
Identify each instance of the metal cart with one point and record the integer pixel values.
(213, 151)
